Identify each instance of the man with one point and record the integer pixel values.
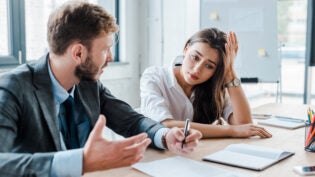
(52, 111)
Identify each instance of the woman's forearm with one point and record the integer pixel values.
(220, 131)
(207, 130)
(240, 106)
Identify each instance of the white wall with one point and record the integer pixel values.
(151, 33)
(169, 25)
(123, 78)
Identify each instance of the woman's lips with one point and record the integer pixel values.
(194, 77)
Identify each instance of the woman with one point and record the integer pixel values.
(201, 86)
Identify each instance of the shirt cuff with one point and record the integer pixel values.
(67, 163)
(158, 137)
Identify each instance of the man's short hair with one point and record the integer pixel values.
(77, 22)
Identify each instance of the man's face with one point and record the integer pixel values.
(97, 59)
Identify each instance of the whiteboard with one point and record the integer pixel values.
(255, 23)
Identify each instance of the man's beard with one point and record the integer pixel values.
(87, 70)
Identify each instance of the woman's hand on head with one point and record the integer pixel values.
(231, 48)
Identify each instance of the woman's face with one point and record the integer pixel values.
(200, 63)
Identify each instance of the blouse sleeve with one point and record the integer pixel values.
(154, 102)
(227, 111)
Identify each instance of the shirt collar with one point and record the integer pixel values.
(171, 80)
(60, 94)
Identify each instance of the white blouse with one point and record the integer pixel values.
(162, 97)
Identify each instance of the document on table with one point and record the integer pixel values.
(283, 122)
(183, 167)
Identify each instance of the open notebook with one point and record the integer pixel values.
(248, 156)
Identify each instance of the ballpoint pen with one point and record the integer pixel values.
(186, 129)
(262, 115)
(290, 119)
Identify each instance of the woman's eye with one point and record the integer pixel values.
(209, 66)
(194, 57)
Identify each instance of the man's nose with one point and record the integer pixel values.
(110, 56)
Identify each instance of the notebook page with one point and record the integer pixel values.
(240, 159)
(255, 150)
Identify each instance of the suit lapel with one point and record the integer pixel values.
(46, 99)
(47, 105)
(89, 97)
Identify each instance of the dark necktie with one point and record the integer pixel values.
(67, 123)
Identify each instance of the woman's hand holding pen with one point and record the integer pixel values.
(175, 137)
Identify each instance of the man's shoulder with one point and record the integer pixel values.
(21, 75)
(15, 74)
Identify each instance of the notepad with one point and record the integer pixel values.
(248, 156)
(183, 167)
(283, 122)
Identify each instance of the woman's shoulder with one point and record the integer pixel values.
(155, 74)
(155, 71)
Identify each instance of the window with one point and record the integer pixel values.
(4, 45)
(12, 46)
(33, 28)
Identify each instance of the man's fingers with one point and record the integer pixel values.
(98, 128)
(130, 160)
(137, 148)
(193, 135)
(133, 140)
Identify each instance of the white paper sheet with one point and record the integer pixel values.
(183, 167)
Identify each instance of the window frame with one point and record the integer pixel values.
(116, 54)
(17, 34)
(16, 38)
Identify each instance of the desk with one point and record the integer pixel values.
(291, 140)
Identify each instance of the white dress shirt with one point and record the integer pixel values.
(162, 97)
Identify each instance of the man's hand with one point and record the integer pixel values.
(101, 154)
(175, 137)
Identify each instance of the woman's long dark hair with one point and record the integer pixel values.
(209, 96)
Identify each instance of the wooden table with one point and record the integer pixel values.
(290, 140)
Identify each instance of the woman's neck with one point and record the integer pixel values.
(188, 89)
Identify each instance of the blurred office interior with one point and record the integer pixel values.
(145, 40)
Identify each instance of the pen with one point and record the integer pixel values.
(289, 119)
(186, 129)
(262, 115)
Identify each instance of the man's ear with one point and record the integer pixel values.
(78, 53)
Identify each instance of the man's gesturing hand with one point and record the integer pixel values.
(101, 154)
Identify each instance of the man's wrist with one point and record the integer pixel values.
(158, 137)
(164, 143)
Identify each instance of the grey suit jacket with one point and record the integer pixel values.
(29, 134)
